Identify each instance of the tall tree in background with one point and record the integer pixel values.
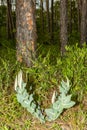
(70, 15)
(42, 15)
(10, 24)
(86, 25)
(83, 21)
(2, 2)
(48, 15)
(26, 31)
(63, 25)
(79, 2)
(52, 20)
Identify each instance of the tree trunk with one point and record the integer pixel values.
(48, 15)
(10, 24)
(52, 21)
(70, 23)
(2, 2)
(79, 14)
(86, 26)
(26, 31)
(42, 16)
(83, 21)
(63, 25)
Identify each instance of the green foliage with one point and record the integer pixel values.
(43, 74)
(56, 126)
(26, 100)
(50, 65)
(2, 15)
(74, 37)
(8, 65)
(62, 102)
(48, 69)
(12, 116)
(74, 66)
(8, 44)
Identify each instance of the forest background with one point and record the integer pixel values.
(46, 39)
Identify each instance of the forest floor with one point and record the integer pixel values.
(14, 117)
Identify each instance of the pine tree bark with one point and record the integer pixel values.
(10, 24)
(70, 23)
(83, 21)
(42, 16)
(86, 26)
(48, 15)
(26, 31)
(52, 21)
(79, 2)
(63, 25)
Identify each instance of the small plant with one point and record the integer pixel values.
(27, 101)
(62, 102)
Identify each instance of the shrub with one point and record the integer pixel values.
(74, 66)
(47, 73)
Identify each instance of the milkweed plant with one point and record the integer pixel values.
(59, 102)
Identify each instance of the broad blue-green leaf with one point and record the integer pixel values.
(27, 100)
(24, 85)
(57, 106)
(31, 98)
(69, 105)
(63, 102)
(64, 88)
(52, 114)
(20, 98)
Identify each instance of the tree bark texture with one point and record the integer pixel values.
(42, 16)
(26, 31)
(83, 21)
(86, 26)
(70, 22)
(52, 21)
(79, 2)
(48, 15)
(63, 25)
(10, 24)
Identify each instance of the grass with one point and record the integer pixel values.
(14, 117)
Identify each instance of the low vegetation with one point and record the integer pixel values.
(48, 70)
(52, 94)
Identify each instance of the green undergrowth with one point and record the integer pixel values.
(8, 67)
(47, 72)
(15, 117)
(11, 117)
(45, 76)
